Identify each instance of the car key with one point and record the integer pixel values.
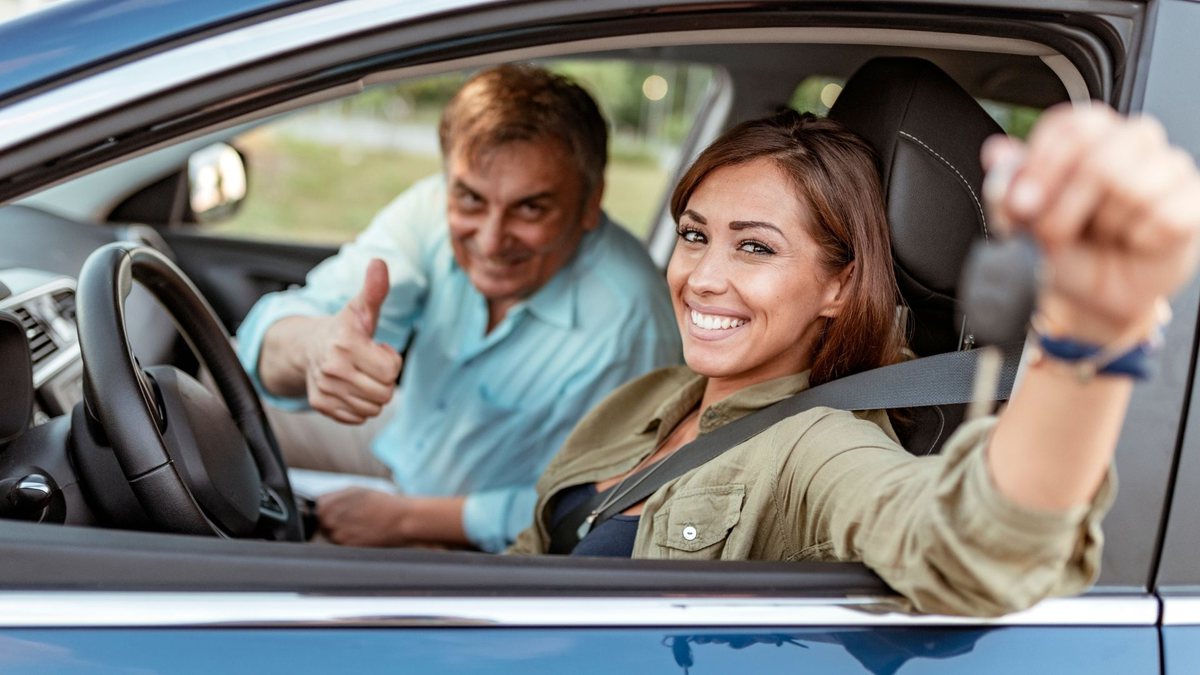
(999, 288)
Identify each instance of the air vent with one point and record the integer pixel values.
(41, 345)
(64, 302)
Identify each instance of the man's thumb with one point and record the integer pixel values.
(370, 298)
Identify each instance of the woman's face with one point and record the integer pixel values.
(748, 291)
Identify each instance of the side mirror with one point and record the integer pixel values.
(216, 182)
(209, 188)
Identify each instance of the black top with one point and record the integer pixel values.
(612, 538)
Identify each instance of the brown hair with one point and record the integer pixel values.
(521, 102)
(836, 178)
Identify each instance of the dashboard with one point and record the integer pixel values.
(44, 304)
(53, 466)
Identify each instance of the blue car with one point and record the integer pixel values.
(241, 141)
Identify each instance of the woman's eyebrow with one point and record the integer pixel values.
(751, 224)
(695, 216)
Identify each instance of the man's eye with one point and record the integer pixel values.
(531, 211)
(691, 236)
(469, 200)
(755, 247)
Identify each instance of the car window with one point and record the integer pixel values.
(320, 174)
(817, 93)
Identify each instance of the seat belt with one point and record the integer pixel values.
(941, 379)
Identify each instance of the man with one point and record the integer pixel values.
(524, 305)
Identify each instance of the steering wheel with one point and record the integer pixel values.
(198, 463)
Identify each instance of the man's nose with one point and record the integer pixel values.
(491, 234)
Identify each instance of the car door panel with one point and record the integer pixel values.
(913, 651)
(234, 273)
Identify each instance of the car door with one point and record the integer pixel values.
(1170, 95)
(77, 598)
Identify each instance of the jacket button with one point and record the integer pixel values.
(689, 532)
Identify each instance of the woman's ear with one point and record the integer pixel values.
(838, 291)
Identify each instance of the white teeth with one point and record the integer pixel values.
(712, 322)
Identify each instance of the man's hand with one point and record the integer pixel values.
(362, 517)
(349, 376)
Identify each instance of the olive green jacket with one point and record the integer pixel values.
(828, 485)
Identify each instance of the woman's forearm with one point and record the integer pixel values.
(1053, 444)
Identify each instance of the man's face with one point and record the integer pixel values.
(517, 213)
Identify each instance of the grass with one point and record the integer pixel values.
(304, 191)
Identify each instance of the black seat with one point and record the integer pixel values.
(927, 132)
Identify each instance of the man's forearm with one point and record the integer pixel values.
(434, 519)
(282, 360)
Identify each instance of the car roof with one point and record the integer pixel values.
(73, 37)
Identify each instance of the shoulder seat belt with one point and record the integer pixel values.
(941, 379)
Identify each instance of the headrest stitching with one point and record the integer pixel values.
(965, 182)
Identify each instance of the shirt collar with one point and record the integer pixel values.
(756, 397)
(555, 303)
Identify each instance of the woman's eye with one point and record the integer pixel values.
(691, 236)
(755, 247)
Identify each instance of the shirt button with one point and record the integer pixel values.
(689, 532)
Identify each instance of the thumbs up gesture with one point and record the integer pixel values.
(350, 376)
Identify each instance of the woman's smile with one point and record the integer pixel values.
(712, 324)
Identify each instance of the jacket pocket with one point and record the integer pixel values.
(696, 521)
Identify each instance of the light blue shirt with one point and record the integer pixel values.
(481, 414)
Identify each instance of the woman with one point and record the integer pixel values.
(781, 279)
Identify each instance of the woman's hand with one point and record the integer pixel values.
(1116, 211)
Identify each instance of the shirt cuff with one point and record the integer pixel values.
(269, 309)
(999, 521)
(492, 519)
(1044, 552)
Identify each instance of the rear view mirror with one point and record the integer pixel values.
(216, 182)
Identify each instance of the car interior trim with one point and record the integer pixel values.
(890, 37)
(112, 89)
(1071, 78)
(99, 609)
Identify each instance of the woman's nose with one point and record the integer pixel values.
(710, 274)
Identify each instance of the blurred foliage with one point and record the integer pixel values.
(301, 191)
(1016, 120)
(304, 191)
(616, 86)
(807, 97)
(322, 173)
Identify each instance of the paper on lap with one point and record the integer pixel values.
(316, 483)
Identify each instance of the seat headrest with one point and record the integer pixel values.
(927, 132)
